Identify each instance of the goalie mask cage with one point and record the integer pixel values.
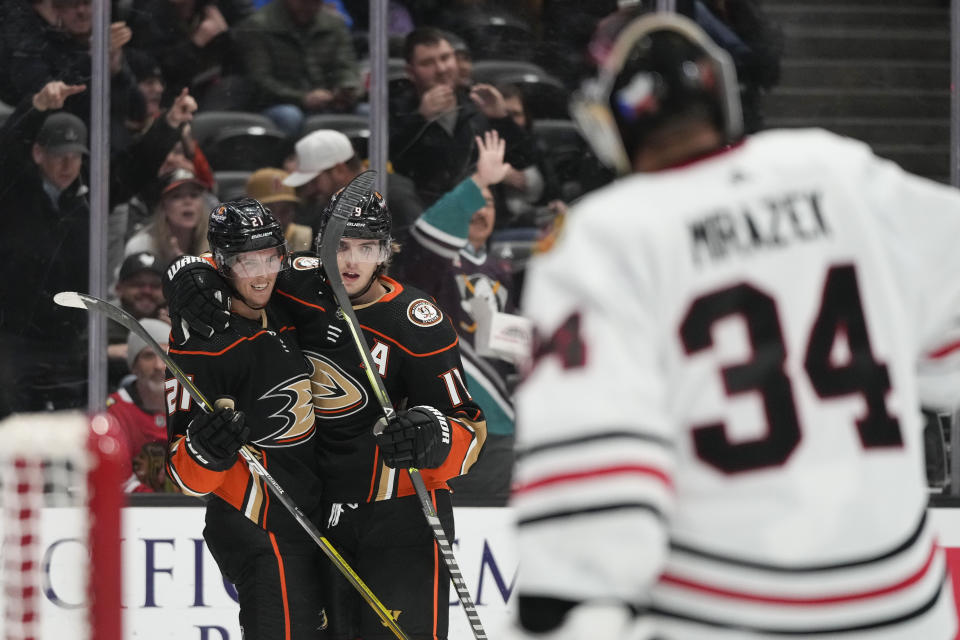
(60, 486)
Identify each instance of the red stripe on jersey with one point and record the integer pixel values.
(594, 473)
(706, 156)
(945, 350)
(303, 302)
(832, 599)
(333, 412)
(303, 436)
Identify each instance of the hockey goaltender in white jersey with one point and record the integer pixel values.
(720, 435)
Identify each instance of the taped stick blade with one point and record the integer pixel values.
(70, 299)
(358, 188)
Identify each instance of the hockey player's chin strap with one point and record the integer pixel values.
(365, 289)
(373, 278)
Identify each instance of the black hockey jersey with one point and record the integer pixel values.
(260, 366)
(415, 348)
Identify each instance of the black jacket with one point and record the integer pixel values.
(45, 248)
(159, 32)
(437, 161)
(37, 53)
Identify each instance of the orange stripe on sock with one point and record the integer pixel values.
(283, 589)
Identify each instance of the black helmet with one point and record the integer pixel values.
(239, 226)
(369, 218)
(657, 66)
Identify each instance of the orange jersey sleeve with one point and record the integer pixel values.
(468, 436)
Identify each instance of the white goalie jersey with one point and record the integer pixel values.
(721, 425)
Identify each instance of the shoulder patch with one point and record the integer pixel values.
(306, 263)
(423, 313)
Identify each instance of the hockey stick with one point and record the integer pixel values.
(92, 303)
(329, 244)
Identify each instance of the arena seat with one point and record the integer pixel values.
(247, 148)
(207, 124)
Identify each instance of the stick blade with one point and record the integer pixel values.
(358, 188)
(70, 299)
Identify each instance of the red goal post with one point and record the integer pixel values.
(66, 463)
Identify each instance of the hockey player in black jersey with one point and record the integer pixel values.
(257, 363)
(372, 514)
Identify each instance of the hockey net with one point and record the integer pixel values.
(60, 491)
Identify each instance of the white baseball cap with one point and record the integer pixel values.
(157, 329)
(318, 151)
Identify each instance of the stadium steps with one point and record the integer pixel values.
(871, 16)
(867, 74)
(854, 43)
(877, 70)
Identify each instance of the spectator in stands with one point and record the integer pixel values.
(753, 41)
(524, 189)
(266, 185)
(20, 23)
(43, 194)
(130, 217)
(191, 40)
(139, 409)
(448, 257)
(139, 293)
(151, 84)
(300, 60)
(179, 221)
(567, 27)
(326, 162)
(464, 60)
(61, 51)
(399, 22)
(432, 128)
(187, 154)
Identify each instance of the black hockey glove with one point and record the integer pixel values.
(198, 298)
(213, 439)
(419, 437)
